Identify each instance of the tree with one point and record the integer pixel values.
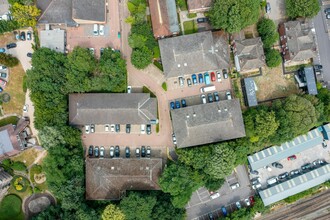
(141, 57)
(136, 41)
(25, 15)
(51, 137)
(195, 156)
(112, 212)
(268, 32)
(8, 60)
(302, 8)
(234, 15)
(137, 207)
(137, 9)
(164, 210)
(6, 26)
(273, 58)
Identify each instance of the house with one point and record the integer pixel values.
(250, 92)
(108, 179)
(5, 180)
(194, 53)
(111, 108)
(208, 123)
(9, 141)
(195, 6)
(4, 10)
(306, 79)
(297, 40)
(53, 39)
(249, 54)
(164, 18)
(72, 12)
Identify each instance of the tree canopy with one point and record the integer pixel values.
(234, 15)
(268, 32)
(273, 57)
(302, 8)
(141, 57)
(112, 212)
(25, 15)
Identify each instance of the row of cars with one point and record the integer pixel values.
(20, 35)
(116, 128)
(201, 78)
(99, 152)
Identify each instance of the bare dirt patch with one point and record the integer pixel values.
(39, 178)
(28, 156)
(273, 84)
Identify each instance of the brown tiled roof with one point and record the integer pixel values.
(199, 5)
(108, 179)
(9, 145)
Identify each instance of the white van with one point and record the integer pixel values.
(207, 89)
(96, 30)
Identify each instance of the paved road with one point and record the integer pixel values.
(323, 43)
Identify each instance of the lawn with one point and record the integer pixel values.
(27, 156)
(9, 120)
(10, 208)
(190, 27)
(22, 195)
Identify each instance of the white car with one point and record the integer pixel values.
(96, 30)
(143, 129)
(112, 128)
(129, 89)
(25, 108)
(101, 30)
(215, 195)
(219, 76)
(228, 95)
(101, 152)
(106, 128)
(174, 139)
(247, 201)
(92, 50)
(87, 128)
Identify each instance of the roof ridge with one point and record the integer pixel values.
(46, 9)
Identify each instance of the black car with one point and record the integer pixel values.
(90, 150)
(277, 165)
(117, 151)
(216, 96)
(282, 176)
(143, 151)
(148, 129)
(318, 67)
(254, 172)
(22, 35)
(96, 151)
(225, 73)
(117, 128)
(294, 172)
(183, 103)
(306, 167)
(11, 45)
(128, 128)
(127, 152)
(324, 145)
(29, 54)
(210, 97)
(202, 20)
(28, 35)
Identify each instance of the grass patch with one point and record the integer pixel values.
(28, 156)
(24, 84)
(15, 89)
(296, 67)
(158, 65)
(192, 15)
(156, 52)
(146, 90)
(157, 128)
(11, 208)
(164, 86)
(22, 195)
(182, 4)
(190, 27)
(9, 120)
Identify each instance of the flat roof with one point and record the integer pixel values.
(250, 92)
(326, 131)
(53, 39)
(276, 153)
(295, 185)
(108, 179)
(310, 80)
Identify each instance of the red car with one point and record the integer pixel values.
(3, 82)
(251, 198)
(293, 157)
(212, 76)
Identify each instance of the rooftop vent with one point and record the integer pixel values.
(179, 65)
(187, 116)
(219, 110)
(226, 109)
(112, 168)
(185, 64)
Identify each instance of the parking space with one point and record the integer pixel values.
(302, 158)
(201, 204)
(277, 13)
(325, 6)
(133, 129)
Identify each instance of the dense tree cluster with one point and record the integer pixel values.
(8, 60)
(25, 15)
(302, 8)
(234, 15)
(6, 26)
(273, 57)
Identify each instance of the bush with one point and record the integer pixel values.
(302, 8)
(268, 32)
(141, 58)
(8, 60)
(19, 166)
(6, 121)
(273, 58)
(24, 84)
(164, 86)
(6, 26)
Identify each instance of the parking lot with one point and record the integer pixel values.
(304, 157)
(200, 204)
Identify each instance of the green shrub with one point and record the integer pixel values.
(192, 15)
(8, 60)
(7, 26)
(24, 83)
(164, 86)
(18, 165)
(273, 58)
(158, 65)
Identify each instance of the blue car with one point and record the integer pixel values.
(194, 78)
(183, 103)
(200, 78)
(177, 104)
(172, 105)
(224, 211)
(2, 50)
(1, 89)
(207, 78)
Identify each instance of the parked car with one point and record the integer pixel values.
(112, 127)
(172, 105)
(96, 29)
(127, 152)
(272, 180)
(189, 82)
(219, 76)
(283, 176)
(306, 167)
(90, 150)
(3, 75)
(256, 186)
(101, 30)
(215, 195)
(92, 50)
(1, 89)
(228, 95)
(203, 99)
(112, 151)
(327, 16)
(207, 78)
(148, 151)
(252, 201)
(293, 157)
(216, 97)
(247, 202)
(3, 67)
(96, 151)
(268, 8)
(211, 216)
(202, 20)
(212, 76)
(106, 128)
(128, 128)
(2, 50)
(102, 152)
(101, 51)
(254, 172)
(137, 152)
(194, 79)
(318, 67)
(255, 180)
(318, 162)
(234, 186)
(17, 35)
(11, 45)
(143, 151)
(225, 73)
(117, 128)
(200, 78)
(324, 144)
(294, 172)
(148, 129)
(277, 165)
(327, 10)
(224, 211)
(129, 89)
(29, 54)
(86, 126)
(177, 104)
(29, 35)
(210, 97)
(238, 205)
(22, 36)
(143, 129)
(117, 151)
(3, 83)
(181, 81)
(183, 103)
(174, 139)
(92, 128)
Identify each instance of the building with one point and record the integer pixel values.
(297, 40)
(295, 185)
(72, 12)
(111, 108)
(306, 79)
(249, 54)
(108, 179)
(53, 39)
(9, 142)
(164, 18)
(195, 6)
(4, 10)
(250, 92)
(208, 123)
(5, 180)
(194, 53)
